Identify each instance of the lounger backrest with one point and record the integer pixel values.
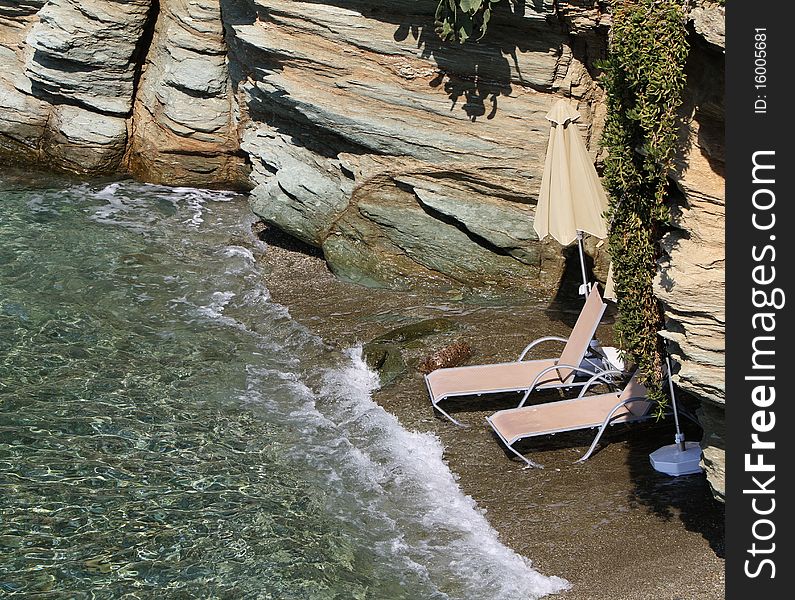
(582, 334)
(635, 389)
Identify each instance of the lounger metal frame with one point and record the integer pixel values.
(534, 385)
(608, 420)
(566, 383)
(527, 390)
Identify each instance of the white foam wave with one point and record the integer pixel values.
(394, 486)
(215, 309)
(122, 210)
(239, 259)
(245, 253)
(196, 200)
(109, 191)
(127, 207)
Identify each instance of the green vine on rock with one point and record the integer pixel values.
(643, 79)
(462, 20)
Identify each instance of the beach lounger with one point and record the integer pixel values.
(584, 412)
(525, 375)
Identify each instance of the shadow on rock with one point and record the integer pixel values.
(272, 235)
(474, 75)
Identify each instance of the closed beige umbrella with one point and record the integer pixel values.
(572, 200)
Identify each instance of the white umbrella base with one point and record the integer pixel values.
(673, 461)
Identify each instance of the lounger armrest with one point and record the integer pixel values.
(605, 423)
(601, 377)
(624, 402)
(549, 370)
(534, 343)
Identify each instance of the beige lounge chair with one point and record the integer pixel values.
(524, 375)
(584, 412)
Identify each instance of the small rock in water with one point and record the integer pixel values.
(386, 359)
(415, 331)
(449, 356)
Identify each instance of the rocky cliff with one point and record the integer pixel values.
(691, 280)
(67, 79)
(184, 123)
(403, 159)
(356, 130)
(98, 86)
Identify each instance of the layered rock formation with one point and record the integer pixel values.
(402, 158)
(691, 281)
(184, 124)
(22, 116)
(69, 70)
(95, 86)
(405, 160)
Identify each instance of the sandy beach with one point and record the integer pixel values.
(612, 526)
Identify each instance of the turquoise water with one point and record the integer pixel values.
(166, 430)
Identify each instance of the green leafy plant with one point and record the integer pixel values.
(462, 20)
(643, 79)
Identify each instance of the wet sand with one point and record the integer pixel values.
(612, 526)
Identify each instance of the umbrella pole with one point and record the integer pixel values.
(679, 438)
(681, 457)
(584, 289)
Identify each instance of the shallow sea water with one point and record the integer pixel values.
(166, 430)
